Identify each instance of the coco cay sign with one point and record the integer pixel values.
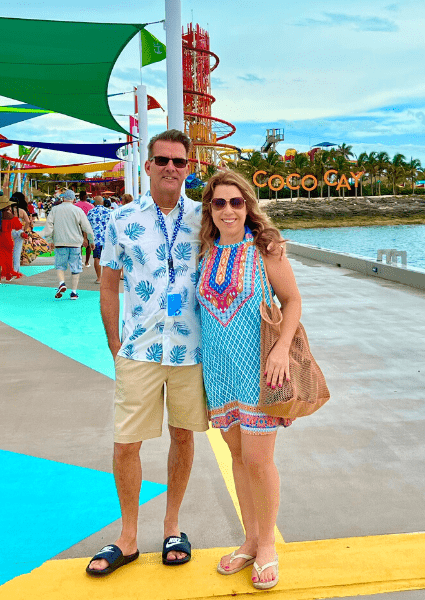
(342, 182)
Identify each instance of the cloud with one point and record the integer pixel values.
(358, 23)
(152, 77)
(218, 83)
(156, 79)
(251, 78)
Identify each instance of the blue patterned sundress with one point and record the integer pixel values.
(229, 293)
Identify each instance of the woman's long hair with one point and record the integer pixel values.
(20, 200)
(262, 229)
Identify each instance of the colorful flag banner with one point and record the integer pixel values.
(81, 168)
(152, 103)
(3, 144)
(24, 151)
(134, 123)
(152, 49)
(27, 163)
(102, 150)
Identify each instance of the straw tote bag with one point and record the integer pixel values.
(306, 391)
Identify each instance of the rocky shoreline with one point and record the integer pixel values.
(349, 211)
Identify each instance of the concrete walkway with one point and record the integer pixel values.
(352, 476)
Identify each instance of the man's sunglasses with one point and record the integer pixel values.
(220, 203)
(162, 161)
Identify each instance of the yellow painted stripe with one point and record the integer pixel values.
(224, 459)
(308, 571)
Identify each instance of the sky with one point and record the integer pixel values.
(336, 71)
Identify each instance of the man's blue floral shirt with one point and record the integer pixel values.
(134, 241)
(99, 218)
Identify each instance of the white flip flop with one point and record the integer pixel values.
(265, 585)
(249, 560)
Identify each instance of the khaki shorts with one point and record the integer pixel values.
(139, 399)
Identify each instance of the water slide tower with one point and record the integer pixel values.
(205, 130)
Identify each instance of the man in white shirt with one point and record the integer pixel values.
(155, 239)
(64, 230)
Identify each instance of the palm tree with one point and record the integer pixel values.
(273, 165)
(298, 165)
(319, 167)
(396, 169)
(382, 160)
(345, 151)
(342, 166)
(361, 164)
(371, 165)
(248, 167)
(412, 169)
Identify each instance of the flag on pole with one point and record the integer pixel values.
(134, 123)
(152, 103)
(2, 144)
(24, 151)
(152, 49)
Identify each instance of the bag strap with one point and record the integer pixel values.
(262, 278)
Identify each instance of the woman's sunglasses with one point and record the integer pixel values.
(162, 161)
(220, 203)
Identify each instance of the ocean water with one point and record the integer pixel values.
(366, 241)
(363, 241)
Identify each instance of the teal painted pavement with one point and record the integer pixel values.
(49, 506)
(35, 270)
(72, 327)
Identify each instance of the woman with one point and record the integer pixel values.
(229, 291)
(21, 211)
(9, 225)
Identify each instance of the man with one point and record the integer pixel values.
(64, 229)
(86, 207)
(155, 240)
(99, 219)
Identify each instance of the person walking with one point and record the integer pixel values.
(156, 240)
(86, 207)
(236, 238)
(98, 219)
(9, 224)
(65, 226)
(20, 208)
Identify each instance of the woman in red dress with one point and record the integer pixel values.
(8, 222)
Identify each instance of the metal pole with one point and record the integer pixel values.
(173, 30)
(127, 186)
(135, 165)
(142, 105)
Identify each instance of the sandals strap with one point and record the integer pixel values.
(259, 569)
(235, 556)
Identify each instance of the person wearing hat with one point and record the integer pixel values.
(8, 223)
(20, 209)
(64, 230)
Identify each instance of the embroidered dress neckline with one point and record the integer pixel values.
(246, 238)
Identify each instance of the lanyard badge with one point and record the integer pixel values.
(174, 305)
(173, 239)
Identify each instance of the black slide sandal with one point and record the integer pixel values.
(115, 558)
(177, 544)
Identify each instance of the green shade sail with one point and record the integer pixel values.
(62, 66)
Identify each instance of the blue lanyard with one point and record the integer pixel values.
(173, 239)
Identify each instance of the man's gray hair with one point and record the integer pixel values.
(69, 196)
(171, 135)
